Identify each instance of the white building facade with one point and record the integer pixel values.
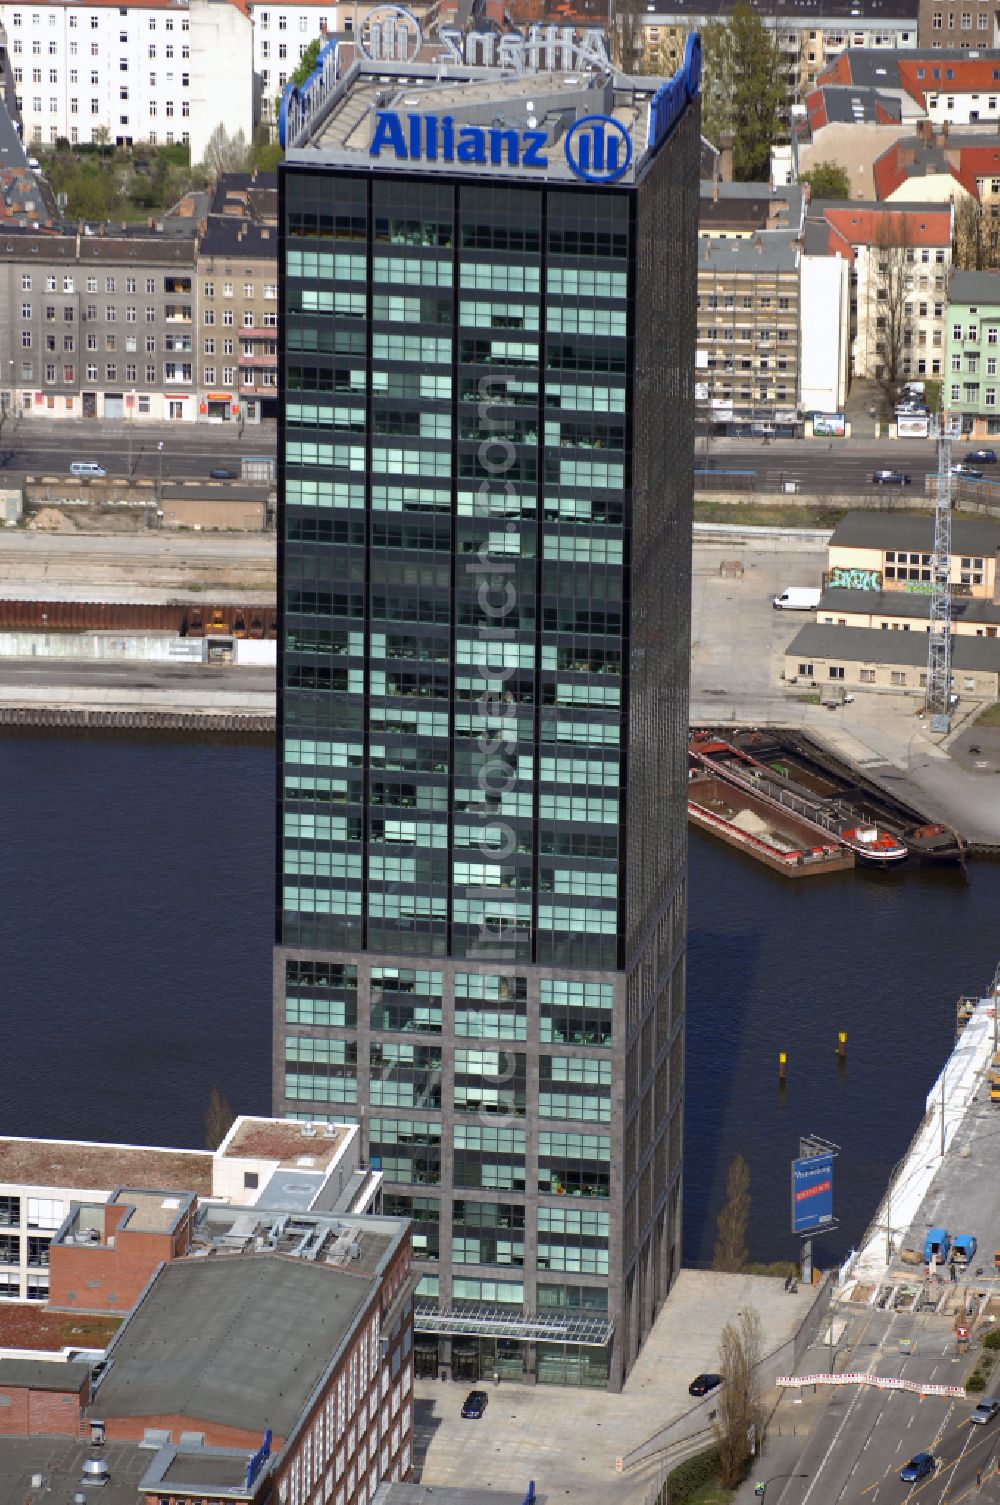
(157, 71)
(81, 69)
(824, 364)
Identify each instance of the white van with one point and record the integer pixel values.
(87, 468)
(798, 598)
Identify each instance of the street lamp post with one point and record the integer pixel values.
(760, 1489)
(159, 473)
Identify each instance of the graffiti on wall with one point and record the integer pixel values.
(855, 580)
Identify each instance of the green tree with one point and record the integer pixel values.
(731, 1224)
(744, 89)
(266, 153)
(828, 180)
(299, 75)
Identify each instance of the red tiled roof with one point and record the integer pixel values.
(858, 225)
(969, 75)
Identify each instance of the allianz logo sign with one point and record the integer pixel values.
(597, 148)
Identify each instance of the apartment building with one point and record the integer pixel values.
(809, 34)
(99, 326)
(900, 258)
(120, 67)
(162, 71)
(238, 320)
(958, 23)
(747, 354)
(974, 350)
(953, 86)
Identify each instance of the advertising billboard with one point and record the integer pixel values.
(829, 425)
(812, 1192)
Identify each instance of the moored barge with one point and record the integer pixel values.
(869, 841)
(780, 840)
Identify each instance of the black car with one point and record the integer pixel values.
(220, 473)
(475, 1404)
(891, 478)
(704, 1384)
(981, 457)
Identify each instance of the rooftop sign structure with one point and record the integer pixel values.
(392, 34)
(554, 131)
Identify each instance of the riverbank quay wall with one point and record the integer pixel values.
(949, 1108)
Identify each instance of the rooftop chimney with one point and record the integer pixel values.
(726, 157)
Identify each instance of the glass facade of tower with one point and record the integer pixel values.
(485, 465)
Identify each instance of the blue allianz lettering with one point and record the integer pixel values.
(437, 138)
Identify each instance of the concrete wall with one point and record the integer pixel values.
(255, 651)
(222, 86)
(102, 646)
(826, 333)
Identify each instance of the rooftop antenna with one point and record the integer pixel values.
(948, 426)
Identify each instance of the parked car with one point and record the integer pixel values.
(891, 478)
(981, 457)
(704, 1384)
(220, 473)
(475, 1404)
(984, 1412)
(970, 472)
(919, 1466)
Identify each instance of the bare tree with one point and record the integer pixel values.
(219, 1119)
(891, 280)
(731, 1224)
(627, 35)
(977, 235)
(225, 153)
(740, 1404)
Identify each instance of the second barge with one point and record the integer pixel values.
(780, 840)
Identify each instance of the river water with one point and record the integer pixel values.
(136, 919)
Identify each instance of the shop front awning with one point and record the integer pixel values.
(480, 1319)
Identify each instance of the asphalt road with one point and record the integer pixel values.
(865, 1435)
(68, 674)
(822, 465)
(41, 447)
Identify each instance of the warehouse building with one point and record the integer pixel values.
(906, 611)
(891, 551)
(862, 658)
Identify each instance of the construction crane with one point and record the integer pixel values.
(938, 697)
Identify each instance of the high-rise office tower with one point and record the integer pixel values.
(485, 450)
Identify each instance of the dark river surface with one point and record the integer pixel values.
(135, 937)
